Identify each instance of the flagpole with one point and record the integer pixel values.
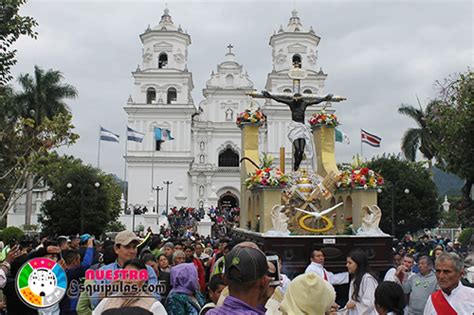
(152, 164)
(125, 195)
(361, 155)
(98, 152)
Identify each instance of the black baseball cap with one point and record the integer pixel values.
(245, 264)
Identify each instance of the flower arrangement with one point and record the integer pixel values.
(266, 175)
(322, 118)
(363, 177)
(254, 116)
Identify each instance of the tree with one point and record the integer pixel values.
(13, 26)
(420, 138)
(22, 154)
(453, 120)
(11, 233)
(42, 97)
(413, 211)
(97, 206)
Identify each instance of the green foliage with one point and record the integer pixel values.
(453, 120)
(449, 220)
(13, 26)
(417, 138)
(100, 205)
(115, 226)
(466, 236)
(11, 233)
(33, 122)
(413, 211)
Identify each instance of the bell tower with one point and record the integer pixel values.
(293, 44)
(161, 99)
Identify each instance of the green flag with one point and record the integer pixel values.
(341, 137)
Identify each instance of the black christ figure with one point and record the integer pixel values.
(298, 132)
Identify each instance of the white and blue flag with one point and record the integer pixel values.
(133, 135)
(162, 134)
(106, 135)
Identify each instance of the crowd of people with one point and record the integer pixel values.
(183, 222)
(196, 275)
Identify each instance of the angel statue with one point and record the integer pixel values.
(371, 216)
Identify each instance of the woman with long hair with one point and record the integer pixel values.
(362, 286)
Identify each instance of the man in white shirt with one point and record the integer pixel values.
(402, 273)
(317, 266)
(453, 298)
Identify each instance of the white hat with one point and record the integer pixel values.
(308, 294)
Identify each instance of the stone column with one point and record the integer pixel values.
(324, 142)
(249, 148)
(263, 200)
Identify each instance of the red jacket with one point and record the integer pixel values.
(201, 274)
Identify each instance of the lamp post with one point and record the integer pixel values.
(393, 188)
(167, 183)
(158, 189)
(81, 190)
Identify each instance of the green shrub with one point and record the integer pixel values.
(10, 233)
(465, 236)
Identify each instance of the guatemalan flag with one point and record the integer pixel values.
(133, 135)
(162, 134)
(369, 138)
(106, 135)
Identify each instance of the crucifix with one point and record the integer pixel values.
(298, 132)
(230, 48)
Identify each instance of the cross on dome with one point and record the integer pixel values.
(230, 48)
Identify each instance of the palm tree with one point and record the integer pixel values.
(43, 96)
(420, 138)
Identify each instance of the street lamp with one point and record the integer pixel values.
(393, 188)
(158, 189)
(81, 189)
(167, 183)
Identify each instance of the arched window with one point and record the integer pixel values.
(172, 95)
(308, 91)
(229, 80)
(286, 91)
(162, 60)
(150, 95)
(228, 158)
(297, 60)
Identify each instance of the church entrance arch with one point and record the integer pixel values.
(228, 200)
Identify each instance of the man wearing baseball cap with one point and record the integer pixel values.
(246, 274)
(125, 247)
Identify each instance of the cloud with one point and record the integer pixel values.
(378, 54)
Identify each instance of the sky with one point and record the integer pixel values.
(378, 54)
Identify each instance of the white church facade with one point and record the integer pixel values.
(201, 164)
